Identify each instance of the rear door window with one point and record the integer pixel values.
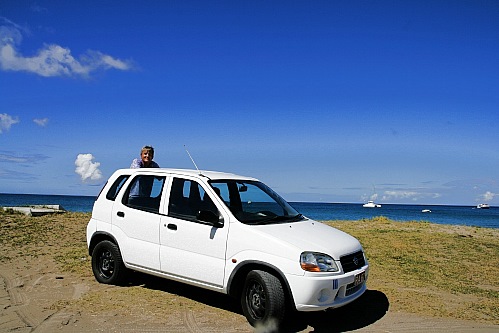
(116, 187)
(144, 193)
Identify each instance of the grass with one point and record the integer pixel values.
(422, 268)
(59, 236)
(438, 270)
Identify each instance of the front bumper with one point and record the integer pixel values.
(316, 293)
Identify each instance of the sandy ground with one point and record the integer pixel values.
(36, 297)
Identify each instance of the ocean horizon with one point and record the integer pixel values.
(321, 211)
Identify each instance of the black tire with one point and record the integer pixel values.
(107, 264)
(262, 299)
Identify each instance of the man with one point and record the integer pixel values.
(145, 161)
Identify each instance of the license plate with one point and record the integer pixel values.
(359, 279)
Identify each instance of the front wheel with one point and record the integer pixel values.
(107, 263)
(262, 299)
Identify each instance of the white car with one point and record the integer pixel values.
(226, 233)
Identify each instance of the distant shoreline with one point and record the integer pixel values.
(290, 201)
(320, 211)
(51, 195)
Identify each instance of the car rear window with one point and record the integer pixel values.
(116, 187)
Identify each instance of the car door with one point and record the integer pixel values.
(136, 221)
(193, 249)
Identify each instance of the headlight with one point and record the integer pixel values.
(317, 262)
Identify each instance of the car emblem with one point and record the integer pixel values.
(356, 261)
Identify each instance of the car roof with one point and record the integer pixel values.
(211, 175)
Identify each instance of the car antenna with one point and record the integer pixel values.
(185, 147)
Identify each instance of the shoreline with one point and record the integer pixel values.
(424, 215)
(441, 214)
(290, 201)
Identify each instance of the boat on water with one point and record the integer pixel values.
(483, 206)
(371, 204)
(426, 211)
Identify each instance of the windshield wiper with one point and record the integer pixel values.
(297, 217)
(280, 218)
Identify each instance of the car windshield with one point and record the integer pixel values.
(253, 202)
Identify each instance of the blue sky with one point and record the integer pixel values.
(326, 101)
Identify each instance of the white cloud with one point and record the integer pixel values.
(411, 195)
(14, 157)
(41, 121)
(86, 168)
(52, 59)
(399, 195)
(6, 121)
(113, 63)
(38, 9)
(488, 196)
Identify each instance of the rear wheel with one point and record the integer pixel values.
(107, 263)
(262, 299)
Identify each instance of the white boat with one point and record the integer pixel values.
(371, 204)
(483, 206)
(426, 211)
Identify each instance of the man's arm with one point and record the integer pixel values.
(136, 164)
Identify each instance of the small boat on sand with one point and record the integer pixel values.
(37, 210)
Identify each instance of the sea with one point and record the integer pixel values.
(441, 214)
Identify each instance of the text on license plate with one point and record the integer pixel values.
(359, 279)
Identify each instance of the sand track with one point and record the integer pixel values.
(34, 302)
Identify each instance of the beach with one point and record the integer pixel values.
(423, 277)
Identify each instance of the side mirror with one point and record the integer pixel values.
(210, 217)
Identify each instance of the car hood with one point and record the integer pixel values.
(310, 235)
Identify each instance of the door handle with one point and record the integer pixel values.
(172, 226)
(120, 214)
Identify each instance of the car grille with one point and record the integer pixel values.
(352, 261)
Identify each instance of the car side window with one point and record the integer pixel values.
(222, 190)
(144, 193)
(116, 187)
(189, 200)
